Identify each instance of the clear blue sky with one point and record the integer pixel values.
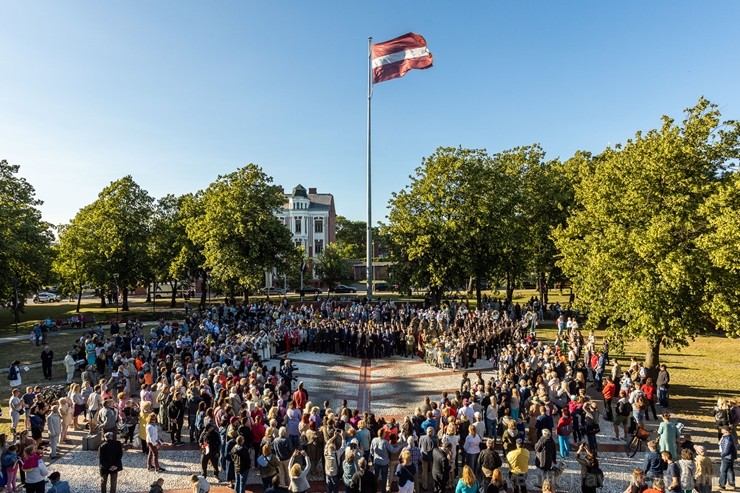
(177, 92)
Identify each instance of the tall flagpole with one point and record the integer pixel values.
(369, 252)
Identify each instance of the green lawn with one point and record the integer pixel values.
(90, 307)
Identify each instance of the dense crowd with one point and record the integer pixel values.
(222, 379)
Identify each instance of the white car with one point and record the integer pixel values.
(269, 291)
(45, 297)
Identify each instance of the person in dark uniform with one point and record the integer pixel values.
(110, 457)
(441, 467)
(47, 358)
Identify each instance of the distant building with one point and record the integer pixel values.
(380, 270)
(312, 220)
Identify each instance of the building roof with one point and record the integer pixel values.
(299, 191)
(318, 201)
(321, 198)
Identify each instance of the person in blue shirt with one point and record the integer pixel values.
(37, 334)
(57, 485)
(430, 421)
(728, 455)
(652, 466)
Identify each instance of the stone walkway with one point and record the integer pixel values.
(388, 387)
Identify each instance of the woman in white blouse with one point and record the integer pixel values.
(153, 442)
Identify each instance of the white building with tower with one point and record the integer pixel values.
(312, 220)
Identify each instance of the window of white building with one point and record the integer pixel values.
(318, 225)
(298, 222)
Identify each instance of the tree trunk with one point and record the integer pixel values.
(231, 297)
(103, 303)
(436, 293)
(173, 301)
(203, 290)
(477, 291)
(124, 305)
(542, 288)
(652, 357)
(546, 300)
(79, 298)
(509, 288)
(148, 293)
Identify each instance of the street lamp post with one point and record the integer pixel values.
(115, 276)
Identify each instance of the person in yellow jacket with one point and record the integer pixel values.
(704, 470)
(146, 410)
(518, 465)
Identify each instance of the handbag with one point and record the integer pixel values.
(137, 441)
(593, 428)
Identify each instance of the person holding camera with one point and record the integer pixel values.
(592, 477)
(298, 475)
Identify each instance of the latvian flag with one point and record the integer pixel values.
(392, 59)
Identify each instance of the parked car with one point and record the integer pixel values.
(342, 289)
(381, 286)
(308, 290)
(45, 297)
(271, 290)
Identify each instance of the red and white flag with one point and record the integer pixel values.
(392, 59)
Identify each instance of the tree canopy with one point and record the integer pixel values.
(467, 214)
(632, 245)
(240, 236)
(331, 267)
(107, 237)
(25, 239)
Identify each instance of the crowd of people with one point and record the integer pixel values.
(222, 379)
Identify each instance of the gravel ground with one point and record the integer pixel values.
(321, 380)
(80, 469)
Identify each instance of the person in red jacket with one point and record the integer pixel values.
(609, 391)
(258, 434)
(300, 397)
(563, 430)
(648, 388)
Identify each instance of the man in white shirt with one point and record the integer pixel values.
(69, 367)
(467, 411)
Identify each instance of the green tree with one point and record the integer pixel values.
(630, 245)
(240, 236)
(190, 262)
(351, 238)
(518, 175)
(547, 194)
(331, 267)
(110, 236)
(721, 243)
(77, 263)
(25, 252)
(167, 242)
(453, 221)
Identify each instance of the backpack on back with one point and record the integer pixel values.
(721, 417)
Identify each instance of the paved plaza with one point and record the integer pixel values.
(388, 387)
